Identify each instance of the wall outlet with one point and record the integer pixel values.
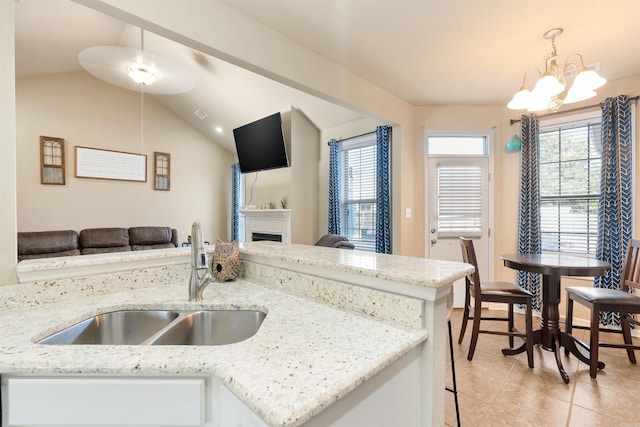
(407, 213)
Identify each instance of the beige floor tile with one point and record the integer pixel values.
(582, 417)
(495, 390)
(498, 417)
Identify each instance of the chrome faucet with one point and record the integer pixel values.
(200, 272)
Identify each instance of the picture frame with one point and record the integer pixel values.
(98, 163)
(161, 171)
(52, 161)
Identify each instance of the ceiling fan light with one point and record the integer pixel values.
(142, 74)
(548, 86)
(589, 80)
(520, 100)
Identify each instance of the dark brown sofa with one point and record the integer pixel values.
(47, 244)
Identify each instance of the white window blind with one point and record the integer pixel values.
(358, 191)
(570, 162)
(459, 200)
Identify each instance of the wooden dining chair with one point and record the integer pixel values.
(494, 292)
(622, 300)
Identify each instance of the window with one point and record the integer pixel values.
(570, 183)
(358, 188)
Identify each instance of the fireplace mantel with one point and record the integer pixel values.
(276, 222)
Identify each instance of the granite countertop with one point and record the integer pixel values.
(305, 349)
(422, 272)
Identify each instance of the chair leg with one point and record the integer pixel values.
(529, 332)
(453, 390)
(511, 327)
(477, 315)
(465, 315)
(568, 321)
(593, 342)
(626, 332)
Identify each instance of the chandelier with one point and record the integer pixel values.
(552, 84)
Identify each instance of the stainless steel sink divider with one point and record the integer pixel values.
(152, 338)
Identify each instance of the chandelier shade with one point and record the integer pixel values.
(549, 91)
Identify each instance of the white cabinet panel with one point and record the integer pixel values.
(100, 401)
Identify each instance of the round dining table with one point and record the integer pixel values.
(552, 267)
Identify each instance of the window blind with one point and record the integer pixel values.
(570, 162)
(459, 199)
(358, 191)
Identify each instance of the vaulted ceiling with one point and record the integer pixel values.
(426, 52)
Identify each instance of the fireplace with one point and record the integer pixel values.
(267, 224)
(257, 237)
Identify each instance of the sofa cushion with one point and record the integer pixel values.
(158, 246)
(91, 251)
(103, 238)
(153, 237)
(47, 244)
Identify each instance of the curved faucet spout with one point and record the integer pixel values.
(200, 272)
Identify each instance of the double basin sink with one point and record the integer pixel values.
(162, 327)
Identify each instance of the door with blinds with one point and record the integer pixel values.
(458, 206)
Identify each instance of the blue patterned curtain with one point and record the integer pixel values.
(615, 206)
(529, 211)
(334, 188)
(235, 201)
(383, 190)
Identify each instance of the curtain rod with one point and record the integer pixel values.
(356, 136)
(514, 121)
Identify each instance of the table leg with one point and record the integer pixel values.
(549, 336)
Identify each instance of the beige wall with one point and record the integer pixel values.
(219, 30)
(88, 112)
(8, 256)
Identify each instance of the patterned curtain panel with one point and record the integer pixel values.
(529, 212)
(334, 188)
(235, 201)
(383, 190)
(615, 206)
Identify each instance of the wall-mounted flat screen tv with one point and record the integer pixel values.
(261, 145)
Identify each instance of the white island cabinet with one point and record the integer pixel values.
(349, 338)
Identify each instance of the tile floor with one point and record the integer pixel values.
(494, 390)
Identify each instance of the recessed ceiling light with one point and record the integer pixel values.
(219, 129)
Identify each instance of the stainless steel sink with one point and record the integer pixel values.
(162, 327)
(211, 328)
(118, 327)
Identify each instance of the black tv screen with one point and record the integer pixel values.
(260, 145)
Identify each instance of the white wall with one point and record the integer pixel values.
(88, 112)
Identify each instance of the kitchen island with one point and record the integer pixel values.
(344, 329)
